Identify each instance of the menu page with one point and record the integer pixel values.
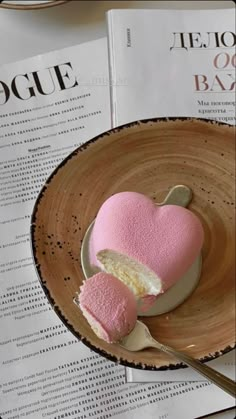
(175, 63)
(49, 105)
(72, 382)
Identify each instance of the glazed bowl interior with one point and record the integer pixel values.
(149, 157)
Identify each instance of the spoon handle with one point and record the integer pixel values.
(225, 383)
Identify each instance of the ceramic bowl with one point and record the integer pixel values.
(31, 5)
(148, 157)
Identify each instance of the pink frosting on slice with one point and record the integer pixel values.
(109, 306)
(167, 239)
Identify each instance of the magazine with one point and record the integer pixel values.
(177, 64)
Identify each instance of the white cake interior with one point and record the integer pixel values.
(141, 280)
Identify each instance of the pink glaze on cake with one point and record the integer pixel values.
(165, 239)
(109, 306)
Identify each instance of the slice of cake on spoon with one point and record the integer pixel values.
(108, 305)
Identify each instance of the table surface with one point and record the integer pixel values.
(29, 33)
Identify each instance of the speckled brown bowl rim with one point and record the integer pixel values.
(43, 281)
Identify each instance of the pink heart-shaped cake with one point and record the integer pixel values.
(148, 247)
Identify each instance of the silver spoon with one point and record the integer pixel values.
(141, 338)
